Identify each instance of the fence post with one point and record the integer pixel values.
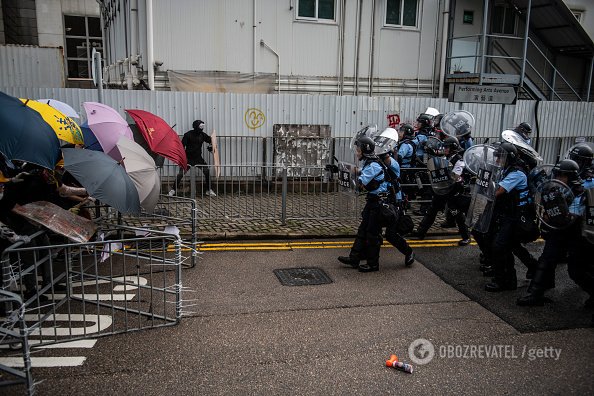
(284, 197)
(193, 182)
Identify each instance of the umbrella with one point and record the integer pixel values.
(107, 124)
(62, 107)
(25, 135)
(103, 178)
(63, 126)
(142, 170)
(91, 141)
(160, 137)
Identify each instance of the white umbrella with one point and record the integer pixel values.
(62, 107)
(141, 168)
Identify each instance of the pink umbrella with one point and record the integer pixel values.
(107, 126)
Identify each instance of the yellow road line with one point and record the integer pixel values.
(252, 246)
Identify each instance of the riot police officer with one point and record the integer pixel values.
(524, 129)
(511, 199)
(424, 131)
(563, 237)
(406, 159)
(373, 180)
(392, 169)
(453, 195)
(583, 155)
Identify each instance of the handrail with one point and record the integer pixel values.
(555, 69)
(512, 60)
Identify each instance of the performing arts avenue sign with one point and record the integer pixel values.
(484, 94)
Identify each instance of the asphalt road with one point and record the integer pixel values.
(245, 333)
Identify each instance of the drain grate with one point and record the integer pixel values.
(302, 276)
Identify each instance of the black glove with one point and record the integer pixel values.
(209, 148)
(332, 168)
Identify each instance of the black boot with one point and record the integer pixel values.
(409, 259)
(349, 261)
(501, 285)
(531, 300)
(369, 267)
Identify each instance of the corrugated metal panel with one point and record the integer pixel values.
(226, 113)
(30, 66)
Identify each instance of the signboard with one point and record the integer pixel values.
(489, 94)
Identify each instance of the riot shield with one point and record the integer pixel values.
(440, 174)
(538, 176)
(485, 160)
(589, 144)
(588, 226)
(457, 123)
(553, 201)
(478, 155)
(516, 139)
(347, 178)
(386, 142)
(369, 131)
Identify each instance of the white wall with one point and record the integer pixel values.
(218, 35)
(50, 18)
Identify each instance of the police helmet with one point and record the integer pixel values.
(524, 129)
(425, 120)
(408, 130)
(582, 154)
(507, 150)
(452, 143)
(366, 145)
(437, 120)
(568, 168)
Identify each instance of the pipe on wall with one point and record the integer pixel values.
(444, 44)
(372, 48)
(341, 36)
(255, 39)
(149, 45)
(357, 46)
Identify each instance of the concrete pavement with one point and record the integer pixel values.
(248, 334)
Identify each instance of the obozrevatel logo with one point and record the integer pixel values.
(421, 351)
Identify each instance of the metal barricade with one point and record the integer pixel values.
(13, 333)
(96, 288)
(174, 213)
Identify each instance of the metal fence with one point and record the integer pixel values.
(265, 190)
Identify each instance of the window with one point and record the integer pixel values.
(316, 9)
(503, 20)
(578, 15)
(402, 12)
(82, 35)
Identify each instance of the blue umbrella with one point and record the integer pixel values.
(25, 136)
(91, 141)
(103, 178)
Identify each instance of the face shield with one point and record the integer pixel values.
(369, 131)
(457, 123)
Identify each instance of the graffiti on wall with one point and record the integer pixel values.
(254, 118)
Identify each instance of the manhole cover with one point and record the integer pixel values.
(302, 276)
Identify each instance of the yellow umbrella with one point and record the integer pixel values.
(63, 126)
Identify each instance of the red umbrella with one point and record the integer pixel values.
(160, 137)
